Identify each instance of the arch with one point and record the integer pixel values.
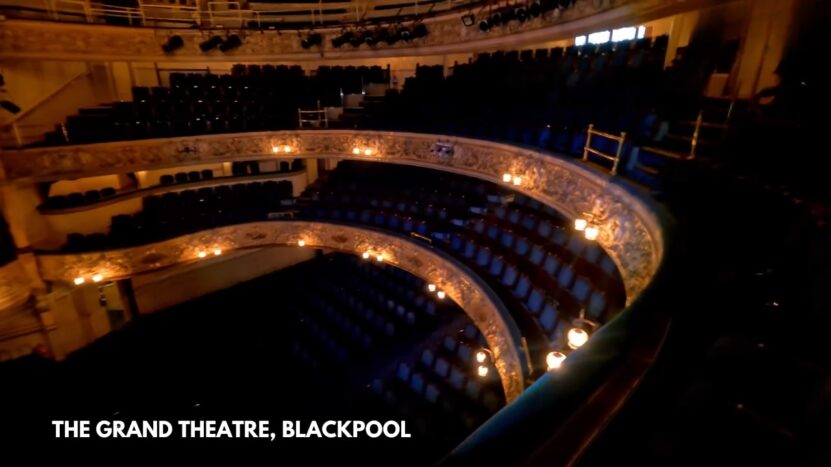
(462, 286)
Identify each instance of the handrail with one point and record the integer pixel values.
(589, 150)
(46, 98)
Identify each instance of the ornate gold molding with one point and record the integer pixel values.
(463, 287)
(630, 231)
(41, 39)
(15, 288)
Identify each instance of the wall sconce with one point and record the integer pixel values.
(513, 179)
(202, 254)
(78, 280)
(578, 335)
(356, 150)
(301, 243)
(431, 287)
(217, 252)
(365, 255)
(580, 224)
(379, 257)
(97, 278)
(506, 177)
(440, 294)
(277, 149)
(554, 360)
(483, 371)
(592, 233)
(517, 180)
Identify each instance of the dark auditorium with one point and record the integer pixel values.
(415, 233)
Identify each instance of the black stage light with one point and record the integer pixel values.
(534, 9)
(231, 42)
(405, 34)
(548, 5)
(521, 14)
(393, 36)
(342, 39)
(376, 37)
(419, 31)
(10, 106)
(468, 19)
(508, 16)
(484, 25)
(311, 40)
(356, 40)
(210, 44)
(173, 43)
(496, 19)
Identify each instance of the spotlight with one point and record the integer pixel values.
(342, 39)
(231, 42)
(311, 40)
(496, 19)
(405, 34)
(535, 9)
(373, 39)
(431, 287)
(580, 224)
(393, 35)
(484, 25)
(173, 43)
(79, 280)
(554, 360)
(356, 39)
(210, 44)
(9, 106)
(521, 14)
(419, 31)
(97, 278)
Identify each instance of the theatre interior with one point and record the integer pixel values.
(535, 232)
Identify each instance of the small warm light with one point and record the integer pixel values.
(286, 149)
(217, 252)
(275, 149)
(356, 151)
(591, 233)
(202, 254)
(517, 181)
(367, 152)
(554, 360)
(365, 255)
(79, 280)
(379, 258)
(431, 287)
(483, 371)
(506, 177)
(97, 278)
(580, 224)
(481, 356)
(301, 243)
(577, 337)
(441, 294)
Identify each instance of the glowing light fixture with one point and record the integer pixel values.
(591, 233)
(577, 337)
(356, 150)
(483, 371)
(431, 287)
(97, 278)
(441, 294)
(365, 255)
(367, 152)
(275, 149)
(554, 360)
(287, 149)
(202, 254)
(481, 356)
(517, 181)
(506, 177)
(301, 243)
(379, 257)
(580, 224)
(217, 252)
(79, 280)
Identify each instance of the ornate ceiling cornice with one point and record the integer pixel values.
(630, 230)
(41, 39)
(461, 285)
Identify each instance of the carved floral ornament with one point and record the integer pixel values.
(630, 231)
(463, 287)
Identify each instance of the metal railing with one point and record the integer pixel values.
(218, 14)
(590, 150)
(312, 118)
